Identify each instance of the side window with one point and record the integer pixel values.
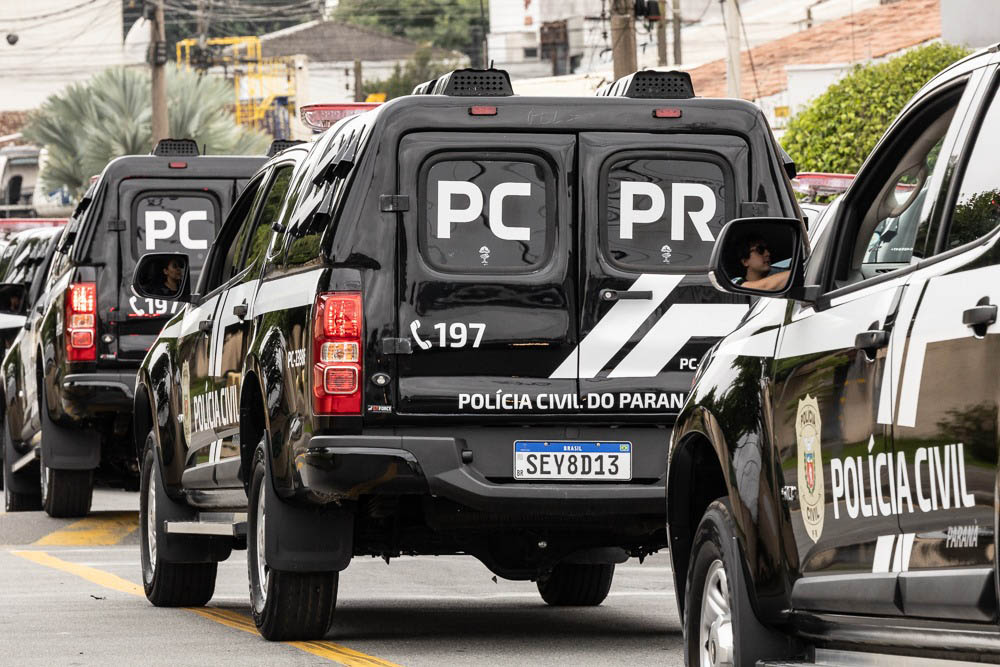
(886, 231)
(255, 236)
(895, 240)
(663, 212)
(306, 230)
(977, 208)
(221, 268)
(491, 213)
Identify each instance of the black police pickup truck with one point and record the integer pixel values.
(459, 323)
(832, 479)
(24, 266)
(89, 332)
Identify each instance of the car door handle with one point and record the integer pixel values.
(617, 295)
(980, 316)
(871, 340)
(240, 310)
(205, 326)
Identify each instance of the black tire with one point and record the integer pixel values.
(166, 584)
(66, 493)
(739, 638)
(289, 605)
(577, 585)
(13, 500)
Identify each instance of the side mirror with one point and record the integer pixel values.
(162, 275)
(759, 257)
(12, 298)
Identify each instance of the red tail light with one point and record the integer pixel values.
(81, 322)
(337, 354)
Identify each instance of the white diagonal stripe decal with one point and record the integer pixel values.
(673, 331)
(883, 553)
(901, 559)
(614, 330)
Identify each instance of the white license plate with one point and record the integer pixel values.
(567, 460)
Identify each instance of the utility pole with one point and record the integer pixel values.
(359, 93)
(202, 20)
(732, 21)
(675, 19)
(623, 37)
(485, 27)
(158, 61)
(661, 35)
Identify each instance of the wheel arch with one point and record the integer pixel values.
(143, 417)
(695, 479)
(703, 465)
(253, 419)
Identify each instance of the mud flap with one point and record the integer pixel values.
(306, 538)
(68, 448)
(179, 548)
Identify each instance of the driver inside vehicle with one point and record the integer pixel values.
(168, 278)
(755, 265)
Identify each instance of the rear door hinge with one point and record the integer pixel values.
(397, 346)
(394, 203)
(116, 225)
(753, 209)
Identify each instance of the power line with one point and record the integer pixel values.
(47, 15)
(746, 39)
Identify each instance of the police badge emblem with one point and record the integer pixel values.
(808, 429)
(186, 400)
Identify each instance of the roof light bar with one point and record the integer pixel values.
(176, 147)
(319, 117)
(469, 83)
(651, 85)
(814, 183)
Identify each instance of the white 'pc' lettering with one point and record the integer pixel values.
(161, 225)
(448, 215)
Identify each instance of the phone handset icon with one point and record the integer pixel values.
(424, 344)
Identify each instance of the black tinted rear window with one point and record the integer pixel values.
(662, 212)
(174, 222)
(489, 215)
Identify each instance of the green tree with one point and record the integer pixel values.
(88, 124)
(445, 24)
(838, 130)
(421, 67)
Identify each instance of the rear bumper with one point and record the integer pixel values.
(474, 472)
(88, 394)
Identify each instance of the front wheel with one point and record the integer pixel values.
(285, 605)
(166, 584)
(720, 626)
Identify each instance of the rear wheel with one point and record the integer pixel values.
(577, 585)
(285, 605)
(66, 493)
(15, 500)
(166, 584)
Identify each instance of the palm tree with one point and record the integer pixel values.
(88, 124)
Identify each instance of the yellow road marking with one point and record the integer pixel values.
(99, 530)
(323, 649)
(91, 574)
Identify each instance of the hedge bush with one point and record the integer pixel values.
(838, 130)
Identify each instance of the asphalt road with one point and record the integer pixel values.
(71, 594)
